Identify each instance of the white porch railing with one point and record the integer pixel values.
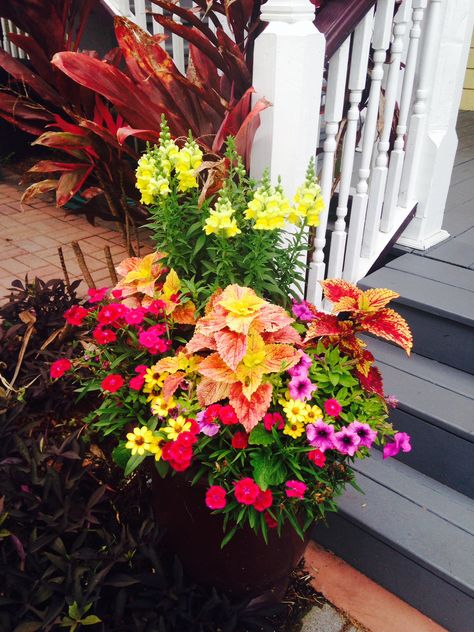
(389, 104)
(8, 27)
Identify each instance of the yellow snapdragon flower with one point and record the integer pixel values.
(308, 204)
(221, 220)
(268, 208)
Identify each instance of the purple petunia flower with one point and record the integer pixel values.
(301, 388)
(301, 369)
(320, 435)
(207, 427)
(346, 441)
(401, 443)
(365, 433)
(302, 311)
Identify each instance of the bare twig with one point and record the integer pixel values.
(110, 265)
(82, 264)
(64, 269)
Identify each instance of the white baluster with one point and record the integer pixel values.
(124, 7)
(157, 28)
(288, 71)
(6, 42)
(333, 108)
(380, 43)
(178, 48)
(378, 178)
(417, 127)
(140, 13)
(13, 47)
(357, 79)
(397, 156)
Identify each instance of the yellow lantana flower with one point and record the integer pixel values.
(175, 427)
(294, 429)
(139, 440)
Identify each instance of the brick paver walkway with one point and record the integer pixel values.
(31, 233)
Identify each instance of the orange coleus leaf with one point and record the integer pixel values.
(326, 325)
(231, 347)
(199, 342)
(139, 274)
(214, 321)
(337, 290)
(171, 383)
(250, 410)
(287, 335)
(389, 325)
(242, 306)
(273, 318)
(185, 314)
(280, 358)
(214, 367)
(376, 298)
(209, 391)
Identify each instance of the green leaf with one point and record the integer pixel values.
(228, 536)
(90, 620)
(121, 455)
(162, 467)
(74, 612)
(267, 470)
(132, 463)
(260, 436)
(201, 240)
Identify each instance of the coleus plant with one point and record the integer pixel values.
(265, 410)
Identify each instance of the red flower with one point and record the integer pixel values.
(137, 382)
(141, 369)
(75, 315)
(151, 340)
(271, 419)
(59, 368)
(271, 522)
(246, 491)
(240, 440)
(228, 416)
(317, 457)
(215, 497)
(212, 413)
(95, 296)
(264, 500)
(103, 336)
(117, 294)
(157, 308)
(187, 439)
(178, 451)
(332, 407)
(112, 382)
(108, 314)
(194, 427)
(295, 489)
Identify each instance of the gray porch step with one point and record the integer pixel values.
(437, 299)
(412, 535)
(436, 407)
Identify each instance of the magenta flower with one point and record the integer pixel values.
(346, 441)
(295, 489)
(392, 401)
(320, 435)
(301, 369)
(401, 443)
(301, 388)
(95, 296)
(135, 316)
(332, 407)
(365, 433)
(302, 311)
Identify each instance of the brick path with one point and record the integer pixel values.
(30, 235)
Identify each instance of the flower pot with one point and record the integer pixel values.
(246, 567)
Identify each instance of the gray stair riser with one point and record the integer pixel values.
(440, 454)
(439, 338)
(439, 600)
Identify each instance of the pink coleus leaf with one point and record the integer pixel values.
(250, 411)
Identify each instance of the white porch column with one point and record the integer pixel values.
(438, 95)
(288, 71)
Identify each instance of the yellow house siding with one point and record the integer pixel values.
(467, 101)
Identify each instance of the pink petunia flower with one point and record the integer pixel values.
(365, 433)
(301, 388)
(392, 401)
(346, 441)
(320, 435)
(401, 444)
(302, 311)
(332, 407)
(295, 489)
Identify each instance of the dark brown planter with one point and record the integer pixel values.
(245, 568)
